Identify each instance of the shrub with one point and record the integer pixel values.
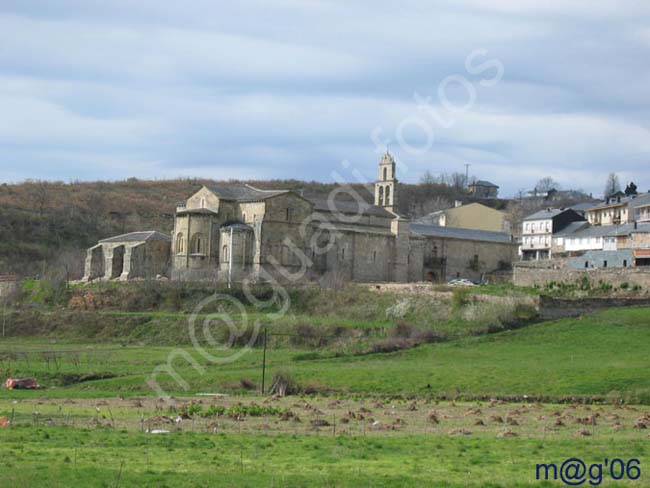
(584, 284)
(400, 309)
(418, 336)
(604, 287)
(391, 345)
(309, 335)
(283, 384)
(460, 297)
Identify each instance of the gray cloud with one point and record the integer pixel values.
(290, 88)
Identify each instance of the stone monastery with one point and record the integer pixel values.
(231, 232)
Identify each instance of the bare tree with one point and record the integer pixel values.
(458, 181)
(427, 178)
(612, 185)
(547, 183)
(434, 204)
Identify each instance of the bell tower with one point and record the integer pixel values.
(386, 184)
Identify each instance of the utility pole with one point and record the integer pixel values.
(230, 259)
(264, 362)
(466, 175)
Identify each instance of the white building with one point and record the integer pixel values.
(538, 230)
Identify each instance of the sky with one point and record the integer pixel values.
(316, 90)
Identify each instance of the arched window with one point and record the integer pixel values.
(243, 216)
(381, 196)
(388, 195)
(198, 244)
(385, 174)
(202, 202)
(180, 243)
(288, 214)
(224, 254)
(374, 256)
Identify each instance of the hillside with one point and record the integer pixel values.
(45, 224)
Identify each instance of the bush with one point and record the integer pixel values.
(283, 384)
(402, 330)
(460, 297)
(400, 309)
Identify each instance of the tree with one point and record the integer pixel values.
(631, 189)
(427, 178)
(547, 183)
(612, 185)
(458, 181)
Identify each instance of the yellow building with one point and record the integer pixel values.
(613, 211)
(471, 216)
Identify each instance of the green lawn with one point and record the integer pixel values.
(599, 355)
(61, 457)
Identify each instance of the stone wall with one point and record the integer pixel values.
(466, 258)
(553, 308)
(537, 276)
(8, 288)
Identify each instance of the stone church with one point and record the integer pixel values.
(229, 231)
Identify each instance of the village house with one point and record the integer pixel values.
(616, 235)
(538, 230)
(483, 189)
(641, 208)
(471, 216)
(613, 211)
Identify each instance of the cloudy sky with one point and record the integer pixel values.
(518, 89)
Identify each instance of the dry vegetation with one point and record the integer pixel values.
(40, 220)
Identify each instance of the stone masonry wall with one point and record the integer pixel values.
(532, 276)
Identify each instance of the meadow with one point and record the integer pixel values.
(487, 395)
(602, 356)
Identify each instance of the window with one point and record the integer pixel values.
(385, 174)
(288, 216)
(380, 200)
(374, 256)
(198, 244)
(388, 195)
(243, 216)
(586, 264)
(625, 263)
(605, 264)
(224, 254)
(342, 254)
(180, 243)
(202, 202)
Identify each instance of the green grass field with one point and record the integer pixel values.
(596, 356)
(59, 457)
(88, 425)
